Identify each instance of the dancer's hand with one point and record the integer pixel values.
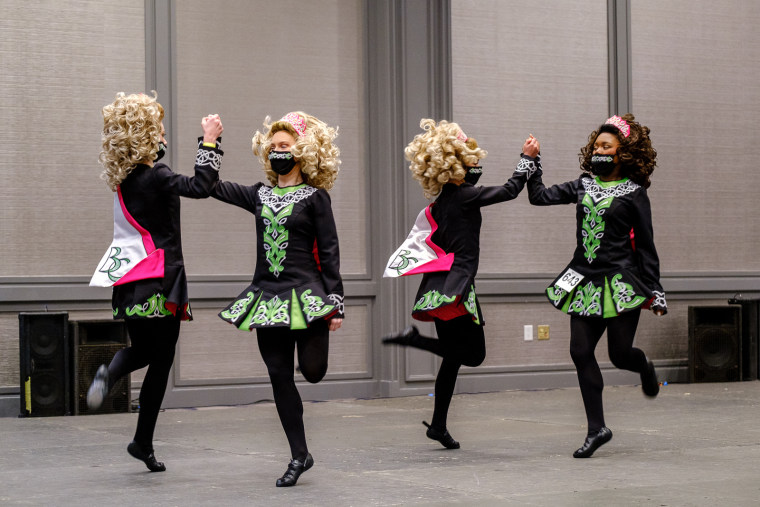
(335, 324)
(659, 312)
(212, 128)
(531, 147)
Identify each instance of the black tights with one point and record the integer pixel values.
(585, 333)
(277, 346)
(153, 344)
(460, 342)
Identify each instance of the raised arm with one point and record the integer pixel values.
(236, 194)
(486, 196)
(526, 167)
(208, 161)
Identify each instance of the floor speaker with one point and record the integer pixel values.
(750, 336)
(44, 363)
(715, 340)
(95, 342)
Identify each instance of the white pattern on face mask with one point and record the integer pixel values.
(282, 162)
(602, 165)
(161, 152)
(473, 174)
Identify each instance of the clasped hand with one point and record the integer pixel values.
(531, 147)
(212, 128)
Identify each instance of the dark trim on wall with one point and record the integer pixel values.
(160, 41)
(619, 54)
(73, 292)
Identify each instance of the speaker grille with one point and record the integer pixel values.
(96, 342)
(44, 363)
(89, 358)
(715, 343)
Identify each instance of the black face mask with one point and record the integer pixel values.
(473, 174)
(282, 162)
(602, 165)
(161, 152)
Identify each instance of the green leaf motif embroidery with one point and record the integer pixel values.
(313, 306)
(275, 236)
(274, 311)
(587, 301)
(432, 300)
(592, 228)
(153, 307)
(471, 305)
(238, 308)
(624, 295)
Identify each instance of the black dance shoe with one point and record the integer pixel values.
(405, 337)
(294, 471)
(649, 383)
(98, 389)
(443, 436)
(593, 442)
(149, 459)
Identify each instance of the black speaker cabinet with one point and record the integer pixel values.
(44, 363)
(95, 342)
(715, 343)
(750, 337)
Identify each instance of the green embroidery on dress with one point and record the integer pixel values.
(275, 236)
(313, 306)
(609, 305)
(246, 324)
(592, 228)
(153, 307)
(296, 314)
(238, 308)
(609, 184)
(432, 300)
(402, 261)
(623, 294)
(274, 311)
(115, 263)
(287, 190)
(555, 294)
(471, 305)
(587, 300)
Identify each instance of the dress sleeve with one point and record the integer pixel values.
(643, 237)
(562, 193)
(208, 160)
(328, 249)
(243, 196)
(485, 196)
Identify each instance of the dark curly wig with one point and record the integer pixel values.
(636, 155)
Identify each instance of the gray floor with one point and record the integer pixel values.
(696, 444)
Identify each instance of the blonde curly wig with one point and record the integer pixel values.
(440, 155)
(314, 150)
(131, 133)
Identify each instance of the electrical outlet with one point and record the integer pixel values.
(528, 332)
(543, 332)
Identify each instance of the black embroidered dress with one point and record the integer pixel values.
(147, 207)
(615, 267)
(449, 294)
(297, 278)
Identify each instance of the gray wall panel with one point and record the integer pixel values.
(61, 62)
(310, 60)
(695, 77)
(520, 68)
